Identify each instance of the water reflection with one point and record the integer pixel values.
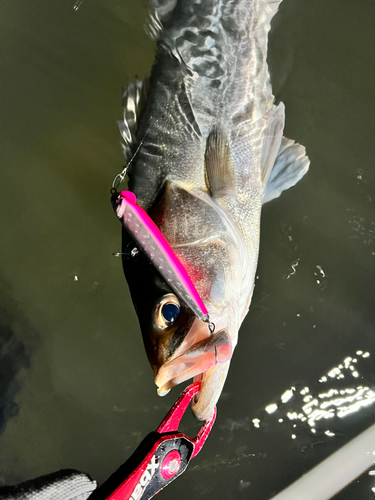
(301, 407)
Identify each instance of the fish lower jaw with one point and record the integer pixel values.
(204, 402)
(163, 391)
(166, 388)
(165, 385)
(195, 361)
(212, 385)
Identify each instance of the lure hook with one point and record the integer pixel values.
(211, 325)
(119, 178)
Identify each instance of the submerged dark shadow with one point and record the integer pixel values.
(15, 352)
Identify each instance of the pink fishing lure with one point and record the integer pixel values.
(151, 240)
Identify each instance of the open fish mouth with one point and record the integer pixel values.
(194, 361)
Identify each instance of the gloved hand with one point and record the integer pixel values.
(61, 485)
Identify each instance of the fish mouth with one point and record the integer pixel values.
(194, 361)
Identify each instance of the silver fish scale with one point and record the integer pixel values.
(211, 68)
(211, 72)
(214, 40)
(205, 244)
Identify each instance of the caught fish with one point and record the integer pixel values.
(205, 147)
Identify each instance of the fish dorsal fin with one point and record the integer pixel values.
(153, 26)
(133, 100)
(290, 166)
(272, 136)
(219, 173)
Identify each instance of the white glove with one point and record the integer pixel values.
(61, 485)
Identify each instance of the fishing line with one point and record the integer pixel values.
(119, 178)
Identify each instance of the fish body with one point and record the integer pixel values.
(209, 151)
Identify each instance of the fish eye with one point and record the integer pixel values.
(166, 311)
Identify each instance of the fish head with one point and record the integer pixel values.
(178, 344)
(164, 319)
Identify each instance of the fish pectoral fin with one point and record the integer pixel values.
(219, 172)
(133, 101)
(290, 166)
(283, 162)
(272, 135)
